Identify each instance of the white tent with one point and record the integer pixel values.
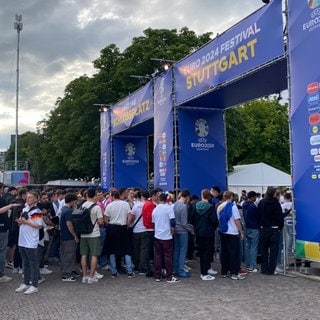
(257, 177)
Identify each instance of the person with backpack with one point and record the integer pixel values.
(230, 231)
(90, 242)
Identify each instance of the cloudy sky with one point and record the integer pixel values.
(61, 38)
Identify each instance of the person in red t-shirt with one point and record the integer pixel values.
(147, 209)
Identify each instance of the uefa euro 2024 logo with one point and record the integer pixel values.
(130, 149)
(313, 3)
(201, 128)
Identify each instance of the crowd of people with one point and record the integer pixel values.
(134, 231)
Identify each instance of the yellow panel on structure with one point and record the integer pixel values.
(312, 250)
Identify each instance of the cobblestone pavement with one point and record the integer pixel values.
(257, 297)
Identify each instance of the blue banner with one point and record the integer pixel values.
(163, 133)
(249, 44)
(130, 162)
(202, 152)
(304, 50)
(105, 166)
(132, 110)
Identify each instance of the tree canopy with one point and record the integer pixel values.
(258, 131)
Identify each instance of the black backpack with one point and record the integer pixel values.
(81, 220)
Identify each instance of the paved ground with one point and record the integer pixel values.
(258, 297)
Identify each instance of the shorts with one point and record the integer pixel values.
(90, 246)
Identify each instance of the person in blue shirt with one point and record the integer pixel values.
(68, 239)
(252, 231)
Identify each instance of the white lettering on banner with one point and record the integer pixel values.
(202, 145)
(125, 114)
(244, 35)
(214, 53)
(314, 23)
(130, 162)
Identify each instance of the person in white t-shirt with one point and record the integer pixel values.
(286, 207)
(29, 224)
(230, 236)
(139, 236)
(118, 217)
(164, 222)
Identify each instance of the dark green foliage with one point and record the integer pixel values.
(258, 131)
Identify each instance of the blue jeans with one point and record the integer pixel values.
(251, 247)
(102, 258)
(280, 248)
(30, 263)
(180, 252)
(113, 263)
(55, 246)
(3, 250)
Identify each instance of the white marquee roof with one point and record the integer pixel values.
(258, 175)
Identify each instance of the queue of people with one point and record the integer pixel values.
(132, 228)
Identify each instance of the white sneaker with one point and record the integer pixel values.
(92, 280)
(186, 268)
(84, 280)
(31, 290)
(212, 272)
(98, 275)
(4, 278)
(173, 280)
(207, 277)
(41, 280)
(22, 287)
(45, 271)
(15, 270)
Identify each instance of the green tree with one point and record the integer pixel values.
(258, 131)
(115, 68)
(72, 133)
(29, 144)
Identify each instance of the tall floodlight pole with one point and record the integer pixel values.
(18, 25)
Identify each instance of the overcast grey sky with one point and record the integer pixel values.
(61, 38)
